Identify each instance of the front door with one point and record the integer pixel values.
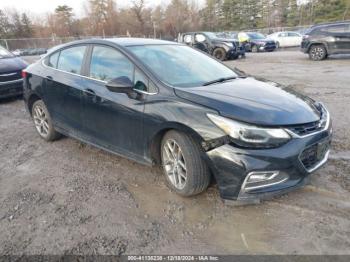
(112, 120)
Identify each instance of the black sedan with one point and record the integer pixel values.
(11, 83)
(165, 103)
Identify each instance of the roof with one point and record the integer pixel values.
(331, 23)
(130, 41)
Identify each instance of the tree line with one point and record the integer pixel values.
(106, 18)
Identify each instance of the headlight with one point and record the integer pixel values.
(245, 135)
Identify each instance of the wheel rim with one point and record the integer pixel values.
(40, 120)
(174, 164)
(317, 53)
(219, 54)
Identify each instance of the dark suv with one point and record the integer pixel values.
(210, 43)
(320, 41)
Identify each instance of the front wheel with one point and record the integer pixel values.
(255, 49)
(43, 122)
(185, 171)
(219, 53)
(317, 53)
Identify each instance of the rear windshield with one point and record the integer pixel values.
(256, 36)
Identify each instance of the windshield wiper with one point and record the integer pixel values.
(219, 80)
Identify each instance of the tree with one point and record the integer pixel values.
(27, 26)
(5, 26)
(63, 20)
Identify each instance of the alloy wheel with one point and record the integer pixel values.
(41, 121)
(174, 164)
(317, 53)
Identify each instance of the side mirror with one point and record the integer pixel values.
(121, 84)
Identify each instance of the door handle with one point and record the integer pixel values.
(89, 92)
(49, 78)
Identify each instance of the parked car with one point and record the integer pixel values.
(257, 42)
(11, 83)
(210, 43)
(323, 40)
(160, 102)
(286, 39)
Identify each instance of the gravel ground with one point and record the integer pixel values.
(69, 198)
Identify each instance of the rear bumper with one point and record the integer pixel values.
(232, 167)
(11, 88)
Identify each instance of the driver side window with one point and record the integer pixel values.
(107, 63)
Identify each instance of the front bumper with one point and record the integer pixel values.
(11, 88)
(232, 166)
(267, 48)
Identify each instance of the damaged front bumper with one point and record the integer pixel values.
(249, 175)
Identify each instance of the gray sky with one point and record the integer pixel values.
(44, 6)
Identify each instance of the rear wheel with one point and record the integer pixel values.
(43, 122)
(317, 52)
(185, 171)
(219, 53)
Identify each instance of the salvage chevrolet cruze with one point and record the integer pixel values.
(160, 102)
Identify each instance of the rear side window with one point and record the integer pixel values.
(335, 29)
(108, 63)
(53, 59)
(293, 34)
(71, 59)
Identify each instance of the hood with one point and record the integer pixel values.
(258, 102)
(12, 64)
(225, 40)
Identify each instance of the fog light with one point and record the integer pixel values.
(262, 179)
(263, 176)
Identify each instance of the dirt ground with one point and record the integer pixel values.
(69, 198)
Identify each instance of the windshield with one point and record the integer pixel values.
(211, 35)
(181, 66)
(256, 36)
(4, 53)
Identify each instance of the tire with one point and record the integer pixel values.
(255, 49)
(185, 171)
(43, 122)
(317, 53)
(219, 53)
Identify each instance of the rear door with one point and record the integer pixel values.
(283, 39)
(113, 120)
(340, 39)
(64, 88)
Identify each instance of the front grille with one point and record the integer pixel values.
(10, 76)
(312, 127)
(309, 157)
(306, 129)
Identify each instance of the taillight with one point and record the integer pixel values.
(24, 74)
